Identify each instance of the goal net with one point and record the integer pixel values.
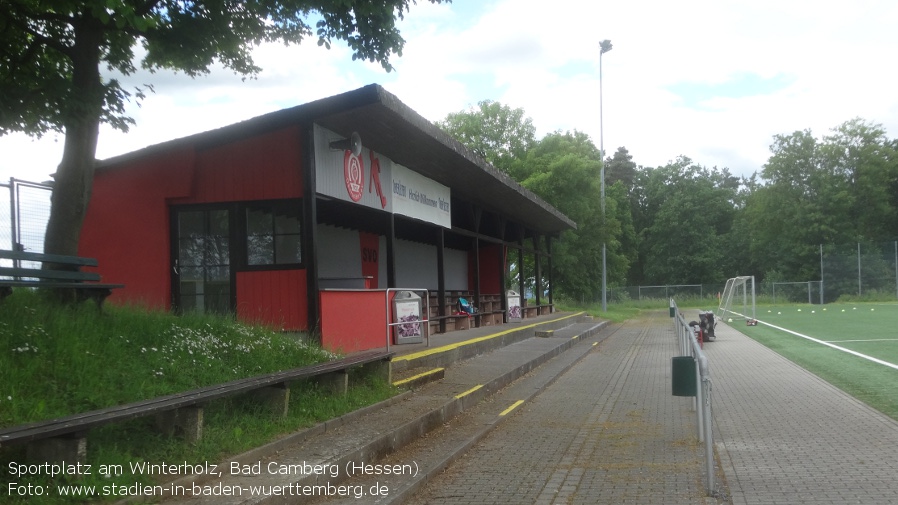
(738, 298)
(798, 292)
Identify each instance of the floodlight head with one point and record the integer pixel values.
(353, 143)
(605, 46)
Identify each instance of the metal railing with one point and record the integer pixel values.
(689, 346)
(24, 211)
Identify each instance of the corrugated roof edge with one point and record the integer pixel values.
(308, 112)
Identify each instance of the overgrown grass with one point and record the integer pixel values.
(624, 309)
(59, 360)
(617, 312)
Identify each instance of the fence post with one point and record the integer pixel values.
(13, 243)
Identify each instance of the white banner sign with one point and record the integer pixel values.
(417, 196)
(373, 180)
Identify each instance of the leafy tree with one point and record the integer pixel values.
(53, 55)
(621, 170)
(620, 167)
(862, 156)
(496, 132)
(564, 169)
(687, 216)
(800, 207)
(836, 190)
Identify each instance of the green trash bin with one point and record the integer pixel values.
(683, 376)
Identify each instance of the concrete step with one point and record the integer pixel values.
(370, 435)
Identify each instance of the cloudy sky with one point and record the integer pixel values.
(711, 80)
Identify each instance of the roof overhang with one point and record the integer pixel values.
(388, 126)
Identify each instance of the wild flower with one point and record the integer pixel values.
(25, 348)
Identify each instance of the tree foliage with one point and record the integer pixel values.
(496, 132)
(839, 189)
(683, 223)
(565, 170)
(55, 56)
(686, 217)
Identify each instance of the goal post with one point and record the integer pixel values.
(737, 290)
(796, 292)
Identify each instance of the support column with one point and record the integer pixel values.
(521, 269)
(186, 422)
(382, 369)
(391, 252)
(477, 280)
(69, 448)
(503, 280)
(441, 278)
(551, 278)
(538, 275)
(276, 398)
(336, 383)
(478, 213)
(310, 228)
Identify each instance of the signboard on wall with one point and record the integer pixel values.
(407, 325)
(417, 196)
(375, 181)
(362, 179)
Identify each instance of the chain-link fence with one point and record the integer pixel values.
(859, 271)
(24, 212)
(864, 270)
(661, 292)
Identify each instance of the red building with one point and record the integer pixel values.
(310, 218)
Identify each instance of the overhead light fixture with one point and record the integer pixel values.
(353, 143)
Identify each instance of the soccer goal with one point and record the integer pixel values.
(798, 292)
(737, 290)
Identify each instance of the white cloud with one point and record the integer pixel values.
(822, 63)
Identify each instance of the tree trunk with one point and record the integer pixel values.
(74, 176)
(71, 190)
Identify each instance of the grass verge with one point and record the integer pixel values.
(59, 360)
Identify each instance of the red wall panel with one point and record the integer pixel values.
(274, 298)
(490, 282)
(353, 320)
(127, 225)
(257, 168)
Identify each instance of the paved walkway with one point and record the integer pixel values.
(601, 426)
(606, 432)
(786, 436)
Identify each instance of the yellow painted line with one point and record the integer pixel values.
(466, 393)
(513, 406)
(430, 372)
(449, 347)
(595, 344)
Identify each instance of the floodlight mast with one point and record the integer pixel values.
(604, 47)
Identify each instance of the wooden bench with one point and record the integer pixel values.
(64, 438)
(66, 274)
(537, 310)
(459, 321)
(489, 318)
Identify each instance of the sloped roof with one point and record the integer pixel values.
(388, 126)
